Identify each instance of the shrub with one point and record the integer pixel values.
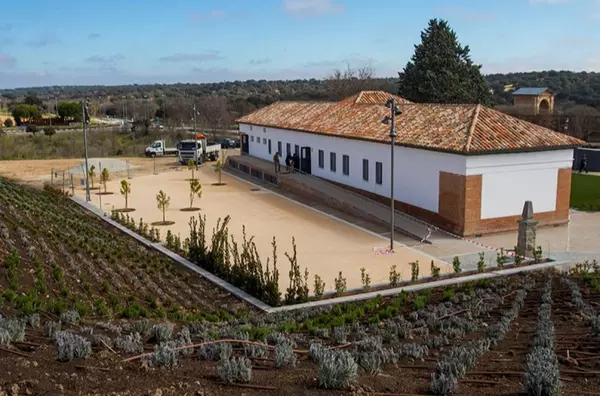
(131, 343)
(14, 329)
(456, 265)
(442, 384)
(70, 317)
(500, 257)
(414, 271)
(435, 270)
(337, 370)
(481, 262)
(215, 351)
(542, 373)
(365, 279)
(235, 370)
(394, 276)
(319, 287)
(4, 337)
(164, 355)
(142, 326)
(284, 355)
(518, 258)
(340, 283)
(538, 254)
(316, 352)
(51, 328)
(340, 335)
(71, 346)
(162, 331)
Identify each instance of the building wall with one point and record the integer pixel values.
(464, 194)
(416, 171)
(530, 104)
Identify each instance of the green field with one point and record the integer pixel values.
(585, 192)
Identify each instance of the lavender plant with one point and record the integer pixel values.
(235, 370)
(131, 343)
(284, 355)
(71, 346)
(337, 370)
(51, 328)
(162, 332)
(164, 355)
(70, 317)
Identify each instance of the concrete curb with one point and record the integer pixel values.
(186, 263)
(312, 304)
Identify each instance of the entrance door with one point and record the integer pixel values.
(245, 146)
(305, 161)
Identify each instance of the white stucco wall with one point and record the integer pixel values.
(508, 180)
(416, 176)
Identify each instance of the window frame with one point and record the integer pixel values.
(345, 164)
(365, 169)
(379, 173)
(321, 159)
(332, 162)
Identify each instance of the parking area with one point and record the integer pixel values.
(325, 244)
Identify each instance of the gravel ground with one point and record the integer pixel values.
(112, 164)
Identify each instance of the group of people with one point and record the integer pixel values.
(291, 162)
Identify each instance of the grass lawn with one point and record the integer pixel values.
(585, 192)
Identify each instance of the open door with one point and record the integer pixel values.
(245, 146)
(305, 160)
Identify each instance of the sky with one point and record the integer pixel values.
(110, 42)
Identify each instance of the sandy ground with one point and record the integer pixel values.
(38, 171)
(324, 245)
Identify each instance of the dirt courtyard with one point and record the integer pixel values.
(325, 245)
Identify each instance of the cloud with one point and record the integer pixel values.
(104, 59)
(200, 57)
(44, 40)
(256, 62)
(309, 8)
(464, 14)
(93, 36)
(574, 41)
(212, 15)
(353, 60)
(7, 61)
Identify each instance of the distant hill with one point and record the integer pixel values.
(243, 97)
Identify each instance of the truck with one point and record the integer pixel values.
(199, 148)
(159, 148)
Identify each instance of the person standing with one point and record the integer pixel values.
(288, 161)
(277, 164)
(583, 164)
(296, 159)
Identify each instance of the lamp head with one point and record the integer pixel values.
(386, 120)
(397, 111)
(390, 103)
(393, 133)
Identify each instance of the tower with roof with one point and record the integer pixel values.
(534, 101)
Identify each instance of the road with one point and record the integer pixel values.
(21, 131)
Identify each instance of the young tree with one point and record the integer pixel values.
(219, 170)
(104, 177)
(92, 174)
(344, 83)
(441, 70)
(195, 191)
(192, 167)
(31, 129)
(163, 201)
(125, 191)
(49, 131)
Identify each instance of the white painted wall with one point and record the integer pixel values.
(416, 171)
(508, 180)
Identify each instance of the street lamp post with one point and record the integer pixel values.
(195, 139)
(391, 120)
(87, 169)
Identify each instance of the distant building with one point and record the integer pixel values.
(465, 168)
(534, 101)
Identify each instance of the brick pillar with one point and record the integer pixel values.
(527, 231)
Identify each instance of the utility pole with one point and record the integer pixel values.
(195, 139)
(87, 169)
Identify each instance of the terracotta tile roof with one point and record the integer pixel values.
(456, 128)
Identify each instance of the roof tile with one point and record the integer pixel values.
(455, 128)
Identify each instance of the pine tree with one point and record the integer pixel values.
(441, 70)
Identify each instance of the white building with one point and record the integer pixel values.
(466, 168)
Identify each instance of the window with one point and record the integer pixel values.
(378, 173)
(332, 162)
(279, 149)
(251, 138)
(345, 165)
(365, 169)
(321, 159)
(297, 150)
(288, 149)
(269, 146)
(264, 140)
(264, 129)
(250, 127)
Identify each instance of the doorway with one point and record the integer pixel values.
(305, 160)
(245, 148)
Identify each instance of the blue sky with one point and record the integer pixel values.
(67, 42)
